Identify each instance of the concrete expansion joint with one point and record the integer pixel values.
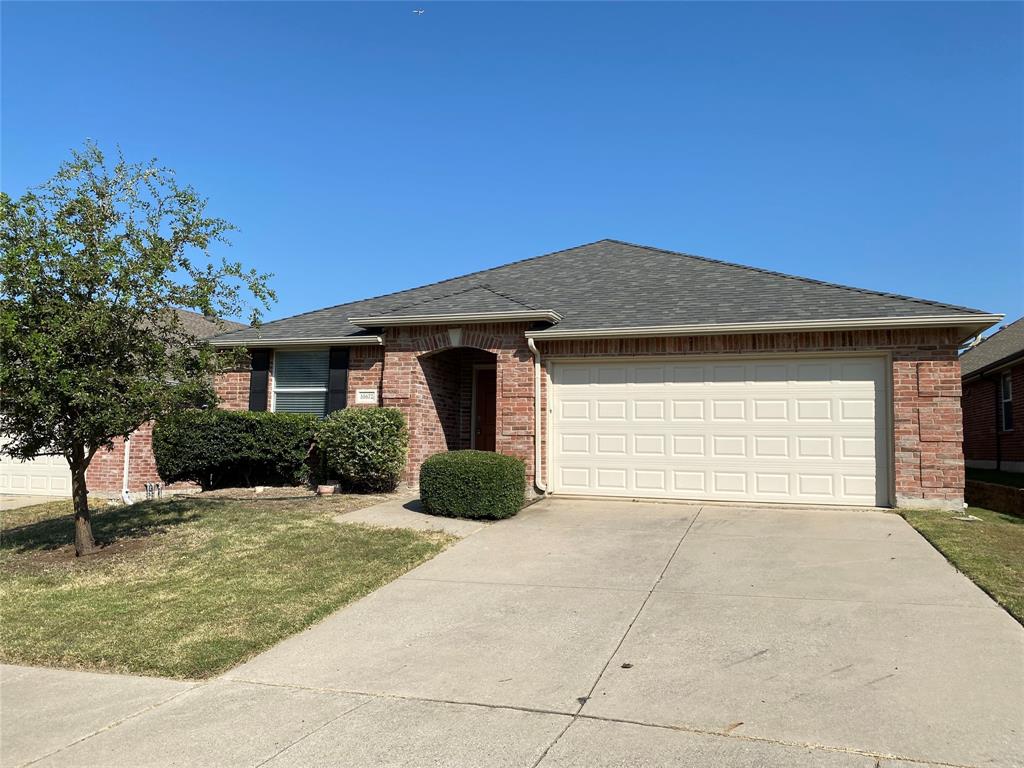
(584, 699)
(731, 734)
(402, 697)
(116, 723)
(571, 716)
(312, 732)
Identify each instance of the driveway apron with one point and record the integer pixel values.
(606, 633)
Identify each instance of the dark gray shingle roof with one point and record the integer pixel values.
(481, 298)
(613, 284)
(1003, 345)
(202, 327)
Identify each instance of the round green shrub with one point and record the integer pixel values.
(474, 484)
(364, 448)
(218, 448)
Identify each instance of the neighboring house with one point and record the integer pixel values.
(109, 473)
(993, 400)
(623, 370)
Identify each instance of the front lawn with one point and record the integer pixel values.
(187, 587)
(1012, 479)
(990, 551)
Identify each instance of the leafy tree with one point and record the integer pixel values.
(93, 264)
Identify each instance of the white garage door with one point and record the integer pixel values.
(45, 476)
(809, 430)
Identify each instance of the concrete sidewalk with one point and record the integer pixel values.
(601, 634)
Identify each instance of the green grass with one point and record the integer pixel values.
(990, 551)
(186, 588)
(1012, 479)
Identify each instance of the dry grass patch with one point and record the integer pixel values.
(989, 551)
(187, 587)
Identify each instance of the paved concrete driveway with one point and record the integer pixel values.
(601, 634)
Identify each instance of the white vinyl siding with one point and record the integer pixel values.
(807, 430)
(300, 381)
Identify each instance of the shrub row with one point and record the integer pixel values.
(363, 448)
(223, 448)
(474, 484)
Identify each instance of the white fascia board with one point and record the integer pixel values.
(384, 321)
(967, 323)
(337, 341)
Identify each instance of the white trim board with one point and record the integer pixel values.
(456, 318)
(964, 322)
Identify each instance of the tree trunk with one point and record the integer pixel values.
(79, 461)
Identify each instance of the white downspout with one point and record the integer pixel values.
(126, 496)
(537, 451)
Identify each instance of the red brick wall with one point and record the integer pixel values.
(233, 390)
(365, 368)
(106, 471)
(409, 375)
(926, 392)
(981, 420)
(439, 423)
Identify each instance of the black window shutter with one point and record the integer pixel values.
(259, 379)
(337, 382)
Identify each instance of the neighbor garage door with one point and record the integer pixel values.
(45, 476)
(808, 430)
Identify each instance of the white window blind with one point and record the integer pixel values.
(300, 381)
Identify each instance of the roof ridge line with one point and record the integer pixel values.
(810, 280)
(513, 299)
(475, 287)
(431, 298)
(436, 282)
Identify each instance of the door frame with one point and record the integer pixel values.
(887, 405)
(472, 401)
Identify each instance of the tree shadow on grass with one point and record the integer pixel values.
(111, 524)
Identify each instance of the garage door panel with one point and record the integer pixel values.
(773, 430)
(690, 446)
(687, 410)
(43, 476)
(610, 478)
(574, 477)
(610, 410)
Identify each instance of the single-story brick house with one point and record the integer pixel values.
(615, 369)
(993, 400)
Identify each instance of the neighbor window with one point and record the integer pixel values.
(300, 381)
(1006, 402)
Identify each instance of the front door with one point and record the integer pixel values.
(484, 393)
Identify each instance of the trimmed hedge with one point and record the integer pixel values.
(219, 449)
(474, 484)
(364, 448)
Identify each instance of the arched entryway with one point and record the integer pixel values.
(462, 385)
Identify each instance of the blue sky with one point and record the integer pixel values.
(362, 148)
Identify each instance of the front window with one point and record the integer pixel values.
(300, 381)
(1006, 402)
